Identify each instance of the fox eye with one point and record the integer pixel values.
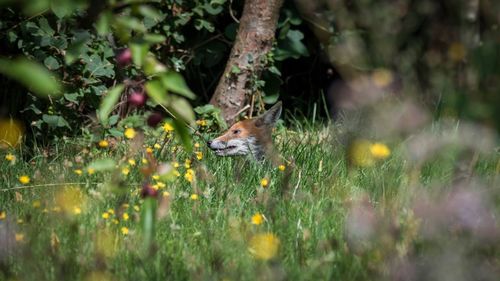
(235, 132)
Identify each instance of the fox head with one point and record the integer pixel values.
(248, 137)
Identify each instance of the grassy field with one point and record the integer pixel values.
(326, 216)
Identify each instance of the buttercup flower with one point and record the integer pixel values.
(199, 155)
(125, 216)
(257, 219)
(105, 215)
(194, 196)
(78, 172)
(131, 162)
(90, 171)
(281, 167)
(125, 171)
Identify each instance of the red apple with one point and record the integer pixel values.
(137, 98)
(154, 119)
(124, 57)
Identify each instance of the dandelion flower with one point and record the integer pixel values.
(131, 162)
(125, 171)
(124, 230)
(156, 177)
(166, 194)
(24, 179)
(199, 155)
(103, 144)
(257, 219)
(149, 150)
(111, 211)
(187, 163)
(157, 146)
(144, 161)
(175, 164)
(189, 175)
(264, 182)
(194, 196)
(197, 145)
(129, 133)
(78, 172)
(90, 171)
(105, 215)
(167, 127)
(264, 246)
(115, 221)
(281, 167)
(380, 151)
(10, 157)
(137, 208)
(125, 216)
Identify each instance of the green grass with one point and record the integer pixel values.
(208, 239)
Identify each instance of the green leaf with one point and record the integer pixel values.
(105, 164)
(153, 66)
(139, 52)
(62, 8)
(32, 75)
(154, 38)
(183, 134)
(157, 92)
(103, 23)
(55, 121)
(108, 103)
(174, 82)
(204, 109)
(51, 63)
(148, 218)
(182, 109)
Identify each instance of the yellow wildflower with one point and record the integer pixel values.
(125, 216)
(137, 208)
(3, 215)
(144, 161)
(19, 237)
(194, 196)
(157, 146)
(199, 155)
(124, 230)
(160, 184)
(281, 167)
(264, 246)
(380, 150)
(78, 172)
(197, 145)
(130, 133)
(36, 204)
(176, 173)
(115, 221)
(77, 210)
(149, 150)
(90, 171)
(111, 211)
(167, 127)
(131, 162)
(166, 194)
(175, 164)
(257, 219)
(187, 163)
(103, 143)
(24, 179)
(189, 175)
(359, 153)
(105, 215)
(201, 122)
(156, 177)
(264, 182)
(125, 171)
(10, 157)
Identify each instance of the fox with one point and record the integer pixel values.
(251, 137)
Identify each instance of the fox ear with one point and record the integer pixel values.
(269, 117)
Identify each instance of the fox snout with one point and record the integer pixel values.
(229, 148)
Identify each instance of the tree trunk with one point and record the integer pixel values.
(254, 40)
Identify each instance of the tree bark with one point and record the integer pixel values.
(254, 40)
